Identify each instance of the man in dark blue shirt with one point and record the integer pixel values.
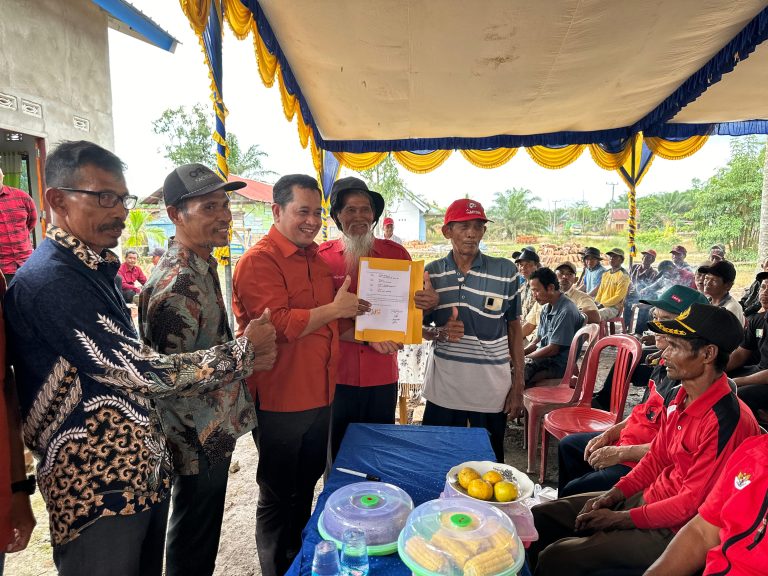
(86, 383)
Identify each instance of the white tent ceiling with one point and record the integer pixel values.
(394, 69)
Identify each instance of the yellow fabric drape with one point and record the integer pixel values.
(359, 162)
(422, 163)
(555, 157)
(676, 150)
(239, 18)
(265, 60)
(607, 160)
(489, 158)
(196, 12)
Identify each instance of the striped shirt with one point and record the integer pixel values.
(473, 374)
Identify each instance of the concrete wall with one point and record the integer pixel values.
(409, 223)
(55, 53)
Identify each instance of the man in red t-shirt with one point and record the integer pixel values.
(131, 274)
(366, 390)
(727, 536)
(18, 217)
(629, 526)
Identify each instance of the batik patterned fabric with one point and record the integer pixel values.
(86, 386)
(182, 309)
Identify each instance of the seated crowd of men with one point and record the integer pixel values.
(124, 421)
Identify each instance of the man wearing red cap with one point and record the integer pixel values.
(469, 381)
(389, 231)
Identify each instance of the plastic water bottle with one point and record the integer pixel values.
(354, 553)
(326, 560)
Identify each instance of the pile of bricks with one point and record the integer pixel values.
(552, 255)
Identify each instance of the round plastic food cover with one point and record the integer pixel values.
(456, 536)
(378, 509)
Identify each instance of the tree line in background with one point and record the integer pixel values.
(723, 209)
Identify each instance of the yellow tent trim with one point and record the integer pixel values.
(555, 158)
(422, 163)
(608, 160)
(676, 150)
(489, 158)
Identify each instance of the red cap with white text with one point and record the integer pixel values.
(463, 210)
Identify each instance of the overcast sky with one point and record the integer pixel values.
(147, 80)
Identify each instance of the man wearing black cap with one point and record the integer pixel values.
(614, 286)
(718, 281)
(366, 389)
(181, 310)
(630, 525)
(593, 271)
(87, 384)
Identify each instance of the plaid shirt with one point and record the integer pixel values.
(182, 310)
(17, 219)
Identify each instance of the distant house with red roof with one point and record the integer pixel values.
(617, 219)
(251, 213)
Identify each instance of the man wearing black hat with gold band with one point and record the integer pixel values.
(629, 526)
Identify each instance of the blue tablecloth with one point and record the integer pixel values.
(415, 458)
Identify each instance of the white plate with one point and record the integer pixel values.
(524, 483)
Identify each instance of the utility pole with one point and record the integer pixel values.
(554, 217)
(613, 187)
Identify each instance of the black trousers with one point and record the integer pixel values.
(293, 447)
(756, 397)
(602, 398)
(576, 476)
(117, 546)
(194, 528)
(362, 404)
(495, 423)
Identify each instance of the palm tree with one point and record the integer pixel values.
(138, 232)
(514, 211)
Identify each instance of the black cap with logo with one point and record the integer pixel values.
(192, 180)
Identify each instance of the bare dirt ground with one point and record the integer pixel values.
(237, 551)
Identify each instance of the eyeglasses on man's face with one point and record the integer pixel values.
(107, 198)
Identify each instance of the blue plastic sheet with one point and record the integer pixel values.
(415, 458)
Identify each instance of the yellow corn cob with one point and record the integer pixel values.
(490, 562)
(500, 538)
(453, 548)
(418, 549)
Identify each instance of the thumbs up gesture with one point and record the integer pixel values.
(454, 328)
(347, 304)
(428, 298)
(262, 335)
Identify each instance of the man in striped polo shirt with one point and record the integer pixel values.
(469, 381)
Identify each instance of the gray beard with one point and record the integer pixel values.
(356, 247)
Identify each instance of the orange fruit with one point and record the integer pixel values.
(492, 477)
(505, 491)
(480, 489)
(466, 475)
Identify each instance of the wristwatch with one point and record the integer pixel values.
(27, 485)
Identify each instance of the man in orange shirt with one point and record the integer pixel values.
(282, 272)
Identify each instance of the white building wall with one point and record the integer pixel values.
(406, 216)
(55, 53)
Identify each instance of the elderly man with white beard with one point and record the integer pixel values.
(366, 390)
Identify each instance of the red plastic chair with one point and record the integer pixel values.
(582, 418)
(548, 395)
(609, 327)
